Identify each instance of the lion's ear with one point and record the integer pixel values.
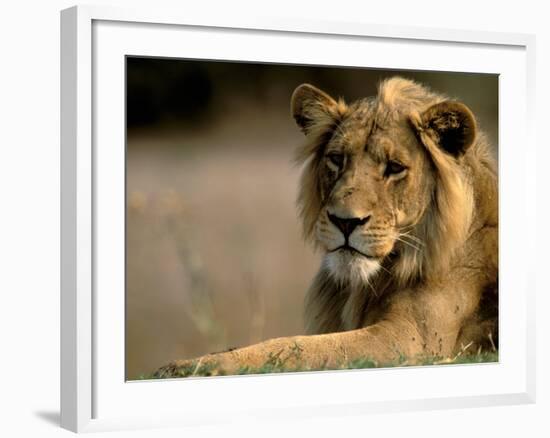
(313, 108)
(451, 125)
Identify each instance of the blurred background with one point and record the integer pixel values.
(215, 258)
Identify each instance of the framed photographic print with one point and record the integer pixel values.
(253, 209)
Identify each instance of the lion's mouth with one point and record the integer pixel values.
(352, 250)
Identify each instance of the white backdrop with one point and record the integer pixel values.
(29, 231)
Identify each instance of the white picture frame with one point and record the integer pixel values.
(94, 395)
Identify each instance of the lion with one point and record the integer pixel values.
(399, 193)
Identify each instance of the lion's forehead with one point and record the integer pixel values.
(356, 127)
(376, 130)
(362, 112)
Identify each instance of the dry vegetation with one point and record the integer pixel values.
(274, 365)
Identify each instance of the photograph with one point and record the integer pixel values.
(293, 218)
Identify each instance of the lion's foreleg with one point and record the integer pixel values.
(381, 343)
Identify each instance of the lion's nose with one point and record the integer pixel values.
(347, 225)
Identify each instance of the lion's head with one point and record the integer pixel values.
(383, 186)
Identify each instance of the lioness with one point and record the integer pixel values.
(399, 192)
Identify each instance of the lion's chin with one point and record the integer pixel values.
(350, 268)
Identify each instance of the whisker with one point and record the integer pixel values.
(408, 243)
(414, 239)
(369, 284)
(411, 244)
(407, 228)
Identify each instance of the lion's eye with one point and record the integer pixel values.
(394, 168)
(336, 159)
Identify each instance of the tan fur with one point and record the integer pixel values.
(417, 274)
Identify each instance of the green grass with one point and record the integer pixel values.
(274, 367)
